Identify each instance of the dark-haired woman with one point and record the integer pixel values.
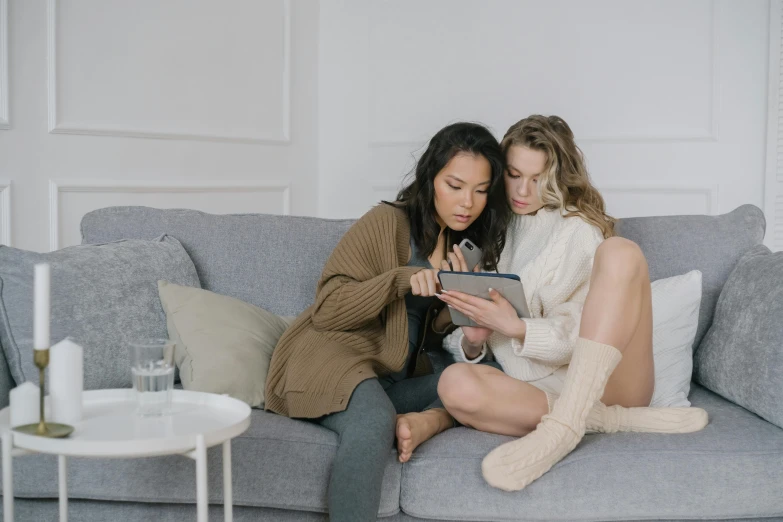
(354, 360)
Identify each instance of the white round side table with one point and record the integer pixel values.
(110, 428)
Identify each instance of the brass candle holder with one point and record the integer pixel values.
(52, 430)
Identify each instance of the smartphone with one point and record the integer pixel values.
(471, 253)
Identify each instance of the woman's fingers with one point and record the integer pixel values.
(454, 262)
(431, 282)
(466, 298)
(415, 288)
(462, 263)
(459, 305)
(425, 283)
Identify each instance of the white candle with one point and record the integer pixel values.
(66, 378)
(25, 405)
(42, 307)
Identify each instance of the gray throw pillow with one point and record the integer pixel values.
(102, 296)
(741, 357)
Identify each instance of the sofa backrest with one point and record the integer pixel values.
(675, 245)
(274, 261)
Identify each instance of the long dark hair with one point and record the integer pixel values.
(488, 231)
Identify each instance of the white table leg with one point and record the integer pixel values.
(62, 467)
(201, 479)
(8, 478)
(228, 494)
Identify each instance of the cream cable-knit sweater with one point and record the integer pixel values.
(553, 257)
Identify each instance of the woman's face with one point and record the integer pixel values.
(524, 167)
(461, 190)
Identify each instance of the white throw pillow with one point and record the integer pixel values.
(675, 301)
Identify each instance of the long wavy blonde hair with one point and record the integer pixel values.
(565, 183)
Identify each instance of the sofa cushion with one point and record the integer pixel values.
(272, 262)
(731, 469)
(102, 296)
(278, 462)
(741, 357)
(223, 345)
(712, 244)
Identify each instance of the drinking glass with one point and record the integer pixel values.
(152, 372)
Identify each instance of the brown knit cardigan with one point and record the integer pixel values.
(357, 328)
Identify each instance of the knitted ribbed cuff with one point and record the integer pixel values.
(453, 345)
(538, 340)
(478, 359)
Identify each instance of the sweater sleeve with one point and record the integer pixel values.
(551, 338)
(453, 344)
(346, 304)
(362, 275)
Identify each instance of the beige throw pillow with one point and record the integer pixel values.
(224, 345)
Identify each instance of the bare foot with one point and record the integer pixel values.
(415, 428)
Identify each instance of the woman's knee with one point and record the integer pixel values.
(620, 258)
(459, 388)
(370, 411)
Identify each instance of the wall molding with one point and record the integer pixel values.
(773, 184)
(5, 119)
(5, 215)
(57, 187)
(58, 127)
(710, 192)
(709, 135)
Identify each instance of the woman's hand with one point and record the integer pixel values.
(497, 314)
(474, 336)
(456, 261)
(474, 339)
(425, 282)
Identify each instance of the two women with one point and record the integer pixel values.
(356, 363)
(355, 359)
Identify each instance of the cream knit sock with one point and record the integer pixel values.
(611, 419)
(514, 465)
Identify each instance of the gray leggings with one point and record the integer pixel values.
(365, 432)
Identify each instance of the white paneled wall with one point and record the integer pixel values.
(319, 108)
(4, 118)
(774, 182)
(186, 70)
(182, 103)
(667, 98)
(76, 198)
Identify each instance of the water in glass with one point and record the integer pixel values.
(153, 376)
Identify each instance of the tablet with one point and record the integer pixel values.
(478, 284)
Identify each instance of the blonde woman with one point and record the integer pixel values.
(584, 362)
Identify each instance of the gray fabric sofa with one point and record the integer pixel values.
(733, 469)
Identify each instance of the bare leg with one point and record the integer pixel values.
(485, 398)
(614, 314)
(618, 312)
